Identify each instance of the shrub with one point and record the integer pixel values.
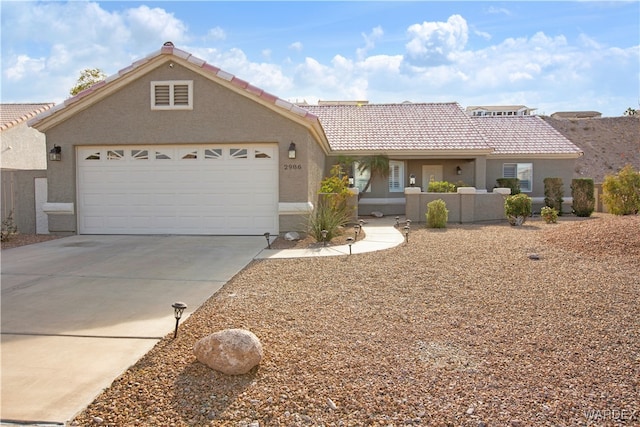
(441, 187)
(583, 200)
(549, 214)
(512, 183)
(621, 192)
(9, 228)
(553, 193)
(324, 217)
(337, 185)
(517, 208)
(437, 214)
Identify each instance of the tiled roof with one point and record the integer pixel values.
(399, 127)
(13, 114)
(520, 135)
(215, 72)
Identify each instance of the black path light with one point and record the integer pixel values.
(324, 237)
(349, 242)
(178, 308)
(397, 221)
(408, 222)
(267, 236)
(406, 233)
(356, 229)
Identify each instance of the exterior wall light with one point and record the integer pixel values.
(458, 170)
(292, 150)
(178, 308)
(55, 155)
(412, 180)
(352, 182)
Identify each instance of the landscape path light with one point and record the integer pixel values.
(356, 229)
(350, 242)
(178, 308)
(397, 221)
(406, 233)
(324, 237)
(267, 236)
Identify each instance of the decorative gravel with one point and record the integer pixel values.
(473, 325)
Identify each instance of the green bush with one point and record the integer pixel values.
(437, 214)
(441, 187)
(512, 183)
(9, 228)
(517, 208)
(553, 193)
(621, 192)
(583, 199)
(550, 215)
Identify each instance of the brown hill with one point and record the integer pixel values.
(608, 143)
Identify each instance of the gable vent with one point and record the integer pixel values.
(172, 95)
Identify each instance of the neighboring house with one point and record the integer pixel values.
(500, 110)
(23, 160)
(172, 144)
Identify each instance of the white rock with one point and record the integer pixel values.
(232, 351)
(292, 235)
(331, 404)
(377, 214)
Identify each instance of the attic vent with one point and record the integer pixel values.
(172, 95)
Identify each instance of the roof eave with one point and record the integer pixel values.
(550, 156)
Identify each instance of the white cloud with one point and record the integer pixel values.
(432, 42)
(151, 25)
(297, 46)
(216, 34)
(23, 65)
(369, 42)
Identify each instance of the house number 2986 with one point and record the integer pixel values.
(292, 166)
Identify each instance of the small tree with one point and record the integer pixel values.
(88, 77)
(333, 210)
(378, 166)
(553, 193)
(583, 199)
(621, 192)
(512, 183)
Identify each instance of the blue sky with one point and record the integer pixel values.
(553, 56)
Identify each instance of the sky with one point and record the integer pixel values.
(552, 56)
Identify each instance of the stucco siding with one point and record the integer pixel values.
(23, 148)
(542, 168)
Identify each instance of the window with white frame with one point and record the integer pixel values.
(396, 176)
(361, 177)
(522, 171)
(172, 95)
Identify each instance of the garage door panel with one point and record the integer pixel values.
(204, 189)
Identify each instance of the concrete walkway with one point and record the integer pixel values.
(78, 311)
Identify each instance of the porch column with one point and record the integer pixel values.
(481, 172)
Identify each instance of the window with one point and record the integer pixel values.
(361, 177)
(172, 95)
(396, 175)
(522, 171)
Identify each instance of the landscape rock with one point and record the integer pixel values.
(292, 236)
(231, 351)
(377, 214)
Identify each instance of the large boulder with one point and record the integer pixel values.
(232, 351)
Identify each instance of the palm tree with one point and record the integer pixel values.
(378, 166)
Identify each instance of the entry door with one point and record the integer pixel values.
(431, 173)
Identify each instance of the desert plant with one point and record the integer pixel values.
(441, 187)
(378, 167)
(9, 228)
(621, 192)
(324, 217)
(553, 193)
(336, 188)
(512, 183)
(437, 214)
(583, 198)
(549, 214)
(517, 208)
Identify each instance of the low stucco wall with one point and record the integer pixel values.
(463, 208)
(18, 196)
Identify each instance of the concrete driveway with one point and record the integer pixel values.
(78, 311)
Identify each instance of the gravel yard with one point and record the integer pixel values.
(458, 328)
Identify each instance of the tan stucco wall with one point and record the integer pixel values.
(542, 168)
(219, 115)
(18, 196)
(22, 148)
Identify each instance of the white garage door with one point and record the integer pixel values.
(194, 189)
